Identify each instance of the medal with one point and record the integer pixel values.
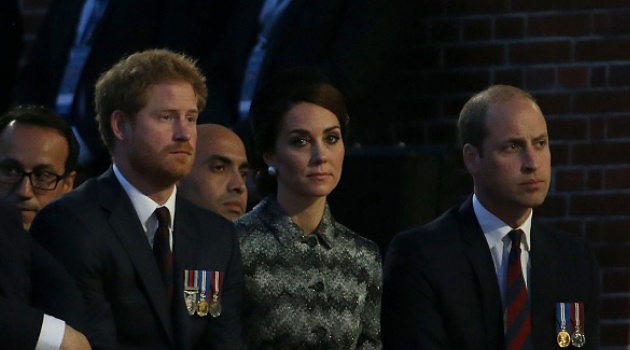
(191, 280)
(202, 307)
(202, 303)
(563, 338)
(215, 306)
(578, 339)
(215, 309)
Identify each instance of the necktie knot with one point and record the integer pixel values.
(163, 217)
(516, 236)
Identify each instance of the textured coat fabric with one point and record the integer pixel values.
(96, 234)
(317, 291)
(441, 290)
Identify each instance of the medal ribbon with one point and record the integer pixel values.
(579, 316)
(217, 283)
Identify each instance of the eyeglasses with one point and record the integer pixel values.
(40, 179)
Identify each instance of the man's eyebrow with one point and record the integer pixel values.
(221, 158)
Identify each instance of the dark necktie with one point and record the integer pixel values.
(162, 249)
(518, 320)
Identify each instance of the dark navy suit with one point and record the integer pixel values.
(95, 232)
(441, 290)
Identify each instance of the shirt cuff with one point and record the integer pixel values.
(51, 336)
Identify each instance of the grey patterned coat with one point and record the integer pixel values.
(317, 291)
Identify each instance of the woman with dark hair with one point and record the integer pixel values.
(310, 282)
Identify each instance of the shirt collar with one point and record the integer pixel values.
(272, 213)
(495, 230)
(144, 205)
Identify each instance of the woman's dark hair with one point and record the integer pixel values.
(275, 98)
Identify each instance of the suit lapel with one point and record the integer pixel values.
(127, 227)
(478, 254)
(184, 257)
(544, 285)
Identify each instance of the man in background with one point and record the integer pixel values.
(38, 156)
(218, 178)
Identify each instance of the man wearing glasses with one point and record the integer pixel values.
(38, 156)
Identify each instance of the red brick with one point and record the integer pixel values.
(598, 129)
(617, 178)
(509, 27)
(614, 335)
(569, 180)
(609, 231)
(567, 128)
(615, 307)
(602, 101)
(598, 76)
(594, 180)
(477, 29)
(559, 154)
(554, 206)
(601, 153)
(572, 77)
(549, 25)
(599, 205)
(474, 55)
(602, 50)
(453, 81)
(616, 281)
(618, 127)
(613, 255)
(540, 78)
(540, 52)
(602, 4)
(510, 76)
(619, 75)
(554, 103)
(472, 7)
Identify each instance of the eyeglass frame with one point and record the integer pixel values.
(29, 174)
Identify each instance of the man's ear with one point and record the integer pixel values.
(68, 181)
(119, 124)
(470, 155)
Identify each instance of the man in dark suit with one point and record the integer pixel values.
(40, 305)
(148, 284)
(451, 283)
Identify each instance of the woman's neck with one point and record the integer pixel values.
(306, 212)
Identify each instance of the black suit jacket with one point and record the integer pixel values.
(95, 232)
(441, 291)
(31, 283)
(352, 41)
(127, 26)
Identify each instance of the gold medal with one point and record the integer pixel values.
(563, 338)
(202, 307)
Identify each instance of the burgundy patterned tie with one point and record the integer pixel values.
(518, 320)
(162, 249)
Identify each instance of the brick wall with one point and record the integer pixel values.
(574, 57)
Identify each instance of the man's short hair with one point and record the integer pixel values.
(45, 118)
(472, 118)
(125, 86)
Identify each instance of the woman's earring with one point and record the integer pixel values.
(271, 170)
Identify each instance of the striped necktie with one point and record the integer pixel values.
(518, 320)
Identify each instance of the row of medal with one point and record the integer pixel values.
(570, 324)
(198, 286)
